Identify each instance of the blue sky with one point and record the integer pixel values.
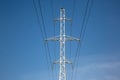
(22, 51)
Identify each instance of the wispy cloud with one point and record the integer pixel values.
(107, 69)
(107, 65)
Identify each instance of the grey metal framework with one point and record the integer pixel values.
(62, 39)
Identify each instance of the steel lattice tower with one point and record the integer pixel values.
(62, 39)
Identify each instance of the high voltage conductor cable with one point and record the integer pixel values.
(55, 42)
(83, 29)
(73, 12)
(87, 15)
(39, 3)
(52, 9)
(84, 18)
(82, 37)
(44, 31)
(38, 19)
(36, 11)
(87, 18)
(85, 23)
(54, 47)
(71, 25)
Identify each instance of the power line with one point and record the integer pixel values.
(89, 11)
(48, 57)
(71, 26)
(38, 19)
(54, 33)
(83, 23)
(85, 19)
(83, 29)
(39, 3)
(73, 12)
(40, 8)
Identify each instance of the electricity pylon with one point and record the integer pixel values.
(62, 39)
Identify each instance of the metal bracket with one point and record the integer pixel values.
(67, 38)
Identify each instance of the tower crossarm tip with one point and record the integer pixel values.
(68, 62)
(56, 38)
(69, 38)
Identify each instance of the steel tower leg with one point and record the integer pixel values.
(62, 73)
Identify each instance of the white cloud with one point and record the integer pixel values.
(107, 69)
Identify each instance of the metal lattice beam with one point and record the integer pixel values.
(62, 39)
